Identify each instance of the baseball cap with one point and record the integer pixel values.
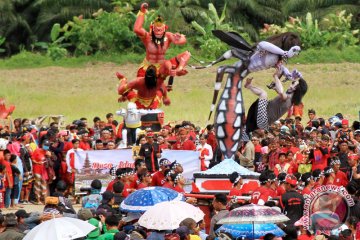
(96, 232)
(291, 179)
(84, 214)
(22, 214)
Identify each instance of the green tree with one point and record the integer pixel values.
(252, 14)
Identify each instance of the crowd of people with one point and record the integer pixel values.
(37, 166)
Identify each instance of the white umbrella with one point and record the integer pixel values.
(63, 228)
(168, 215)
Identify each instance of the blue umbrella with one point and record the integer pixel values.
(141, 200)
(246, 230)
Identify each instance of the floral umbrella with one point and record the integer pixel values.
(141, 200)
(245, 230)
(253, 214)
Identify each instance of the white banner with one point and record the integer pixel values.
(97, 164)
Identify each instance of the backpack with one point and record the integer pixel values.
(92, 201)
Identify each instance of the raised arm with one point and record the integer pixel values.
(269, 47)
(278, 86)
(138, 26)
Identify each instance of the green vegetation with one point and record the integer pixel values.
(91, 90)
(36, 60)
(333, 31)
(89, 27)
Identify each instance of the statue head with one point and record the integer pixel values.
(157, 30)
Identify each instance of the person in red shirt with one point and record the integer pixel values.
(127, 178)
(292, 161)
(144, 179)
(158, 179)
(329, 176)
(340, 177)
(38, 159)
(183, 143)
(168, 181)
(264, 193)
(320, 154)
(84, 140)
(163, 144)
(211, 140)
(179, 182)
(308, 180)
(236, 180)
(9, 181)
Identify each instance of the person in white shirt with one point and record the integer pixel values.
(73, 162)
(206, 153)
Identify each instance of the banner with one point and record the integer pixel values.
(92, 165)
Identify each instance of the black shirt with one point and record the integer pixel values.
(292, 204)
(149, 151)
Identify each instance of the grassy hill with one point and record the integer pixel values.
(91, 90)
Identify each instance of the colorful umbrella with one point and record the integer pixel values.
(168, 215)
(253, 213)
(141, 200)
(246, 230)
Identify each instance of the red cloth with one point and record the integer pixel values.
(235, 192)
(8, 172)
(168, 185)
(67, 146)
(38, 157)
(126, 191)
(211, 140)
(203, 152)
(280, 191)
(261, 193)
(133, 184)
(110, 185)
(84, 145)
(320, 160)
(305, 237)
(186, 145)
(158, 179)
(340, 179)
(141, 185)
(179, 189)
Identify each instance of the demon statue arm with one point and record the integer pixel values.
(5, 112)
(138, 26)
